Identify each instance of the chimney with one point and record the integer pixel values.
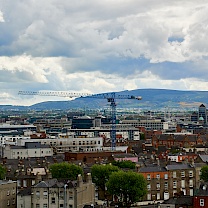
(79, 180)
(88, 178)
(38, 178)
(158, 162)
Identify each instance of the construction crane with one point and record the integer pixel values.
(111, 98)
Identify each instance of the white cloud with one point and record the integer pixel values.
(1, 17)
(98, 46)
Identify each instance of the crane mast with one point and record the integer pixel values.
(111, 98)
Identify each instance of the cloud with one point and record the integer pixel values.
(96, 46)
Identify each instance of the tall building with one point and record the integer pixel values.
(202, 113)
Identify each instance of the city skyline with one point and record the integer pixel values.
(98, 47)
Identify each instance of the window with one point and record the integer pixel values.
(24, 183)
(53, 200)
(158, 176)
(174, 184)
(13, 191)
(13, 201)
(191, 173)
(182, 174)
(61, 194)
(148, 187)
(158, 196)
(18, 183)
(166, 176)
(201, 202)
(38, 194)
(70, 195)
(8, 192)
(70, 206)
(45, 206)
(166, 185)
(148, 196)
(37, 205)
(8, 202)
(182, 183)
(174, 192)
(45, 194)
(158, 186)
(174, 174)
(148, 177)
(191, 184)
(61, 205)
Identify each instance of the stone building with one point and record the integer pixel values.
(55, 193)
(8, 193)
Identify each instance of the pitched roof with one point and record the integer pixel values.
(182, 200)
(204, 158)
(179, 167)
(152, 169)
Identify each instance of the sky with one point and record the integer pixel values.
(101, 46)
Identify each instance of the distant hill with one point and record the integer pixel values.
(151, 99)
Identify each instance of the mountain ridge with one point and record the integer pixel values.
(151, 99)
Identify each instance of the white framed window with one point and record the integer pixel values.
(38, 194)
(45, 194)
(45, 206)
(158, 196)
(182, 174)
(201, 202)
(158, 176)
(174, 184)
(148, 177)
(70, 195)
(61, 194)
(182, 183)
(18, 183)
(191, 183)
(148, 196)
(53, 200)
(174, 174)
(166, 185)
(24, 183)
(191, 174)
(148, 187)
(158, 186)
(166, 176)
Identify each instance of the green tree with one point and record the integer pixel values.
(204, 173)
(125, 164)
(101, 174)
(129, 186)
(142, 136)
(65, 170)
(2, 172)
